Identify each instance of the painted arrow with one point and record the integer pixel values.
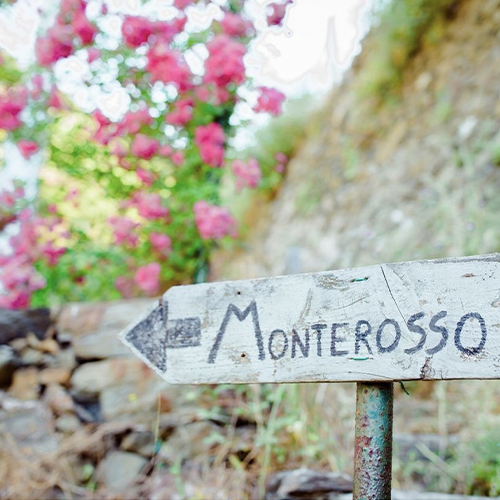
(432, 320)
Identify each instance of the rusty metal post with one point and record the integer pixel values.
(373, 441)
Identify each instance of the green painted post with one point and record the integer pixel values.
(373, 441)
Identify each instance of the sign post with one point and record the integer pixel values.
(375, 325)
(373, 441)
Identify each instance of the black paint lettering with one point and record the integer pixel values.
(438, 329)
(397, 329)
(470, 351)
(304, 348)
(335, 340)
(361, 336)
(241, 315)
(285, 344)
(318, 327)
(416, 329)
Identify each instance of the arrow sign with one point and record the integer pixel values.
(432, 320)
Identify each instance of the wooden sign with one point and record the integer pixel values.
(429, 320)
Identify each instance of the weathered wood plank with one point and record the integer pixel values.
(427, 320)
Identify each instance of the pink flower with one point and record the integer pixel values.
(210, 141)
(52, 254)
(177, 158)
(117, 147)
(106, 129)
(147, 277)
(161, 242)
(149, 205)
(270, 100)
(277, 12)
(145, 176)
(165, 150)
(281, 158)
(58, 44)
(234, 25)
(54, 100)
(84, 28)
(125, 286)
(144, 147)
(11, 105)
(182, 4)
(93, 54)
(168, 66)
(225, 61)
(182, 112)
(37, 83)
(213, 221)
(15, 300)
(123, 230)
(134, 120)
(136, 30)
(247, 174)
(27, 148)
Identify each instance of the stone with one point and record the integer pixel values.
(91, 378)
(19, 323)
(7, 365)
(119, 470)
(190, 440)
(54, 376)
(142, 442)
(25, 384)
(28, 423)
(65, 358)
(94, 327)
(420, 446)
(58, 400)
(306, 483)
(126, 400)
(68, 423)
(30, 356)
(48, 345)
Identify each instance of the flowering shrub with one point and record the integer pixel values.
(126, 206)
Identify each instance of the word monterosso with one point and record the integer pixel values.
(368, 338)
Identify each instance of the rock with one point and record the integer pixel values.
(162, 484)
(25, 384)
(28, 423)
(68, 423)
(58, 400)
(119, 469)
(122, 401)
(142, 442)
(190, 441)
(65, 358)
(48, 345)
(420, 446)
(94, 327)
(30, 356)
(92, 378)
(7, 365)
(59, 376)
(18, 324)
(306, 483)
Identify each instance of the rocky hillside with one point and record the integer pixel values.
(416, 177)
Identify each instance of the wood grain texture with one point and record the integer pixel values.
(428, 320)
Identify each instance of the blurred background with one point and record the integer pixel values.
(145, 144)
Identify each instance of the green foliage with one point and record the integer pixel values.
(402, 27)
(9, 72)
(483, 477)
(283, 134)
